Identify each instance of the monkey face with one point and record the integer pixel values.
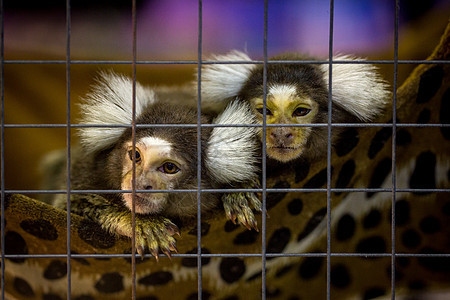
(285, 106)
(157, 168)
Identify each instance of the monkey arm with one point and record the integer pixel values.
(155, 232)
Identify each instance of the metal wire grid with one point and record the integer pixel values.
(2, 159)
(68, 143)
(68, 62)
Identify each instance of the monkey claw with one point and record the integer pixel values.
(239, 207)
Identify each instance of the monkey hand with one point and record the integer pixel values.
(238, 206)
(155, 232)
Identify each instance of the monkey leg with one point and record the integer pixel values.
(238, 206)
(155, 232)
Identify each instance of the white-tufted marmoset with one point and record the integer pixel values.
(165, 158)
(297, 93)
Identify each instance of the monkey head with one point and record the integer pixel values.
(297, 94)
(285, 106)
(164, 159)
(157, 167)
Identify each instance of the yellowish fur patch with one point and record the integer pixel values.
(283, 101)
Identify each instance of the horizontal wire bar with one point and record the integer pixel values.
(112, 62)
(360, 61)
(275, 190)
(223, 125)
(160, 191)
(212, 255)
(195, 62)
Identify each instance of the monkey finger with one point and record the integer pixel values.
(232, 206)
(160, 238)
(165, 226)
(230, 214)
(166, 247)
(139, 242)
(252, 223)
(241, 215)
(167, 253)
(254, 201)
(140, 251)
(153, 245)
(173, 247)
(247, 225)
(155, 253)
(250, 219)
(242, 219)
(173, 229)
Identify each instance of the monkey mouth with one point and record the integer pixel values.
(284, 153)
(284, 148)
(144, 203)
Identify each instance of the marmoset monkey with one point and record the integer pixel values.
(297, 93)
(165, 158)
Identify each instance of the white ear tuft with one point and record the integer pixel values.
(232, 151)
(221, 82)
(358, 88)
(110, 103)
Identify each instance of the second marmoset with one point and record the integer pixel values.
(292, 91)
(165, 158)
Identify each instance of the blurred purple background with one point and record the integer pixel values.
(169, 29)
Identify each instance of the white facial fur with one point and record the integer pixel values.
(163, 147)
(154, 152)
(282, 91)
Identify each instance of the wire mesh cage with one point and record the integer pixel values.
(224, 260)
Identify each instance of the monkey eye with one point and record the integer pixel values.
(261, 111)
(169, 168)
(138, 155)
(301, 111)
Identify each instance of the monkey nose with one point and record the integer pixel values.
(281, 135)
(288, 136)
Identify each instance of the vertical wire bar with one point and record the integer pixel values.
(133, 138)
(2, 176)
(68, 143)
(330, 111)
(264, 175)
(394, 135)
(199, 149)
